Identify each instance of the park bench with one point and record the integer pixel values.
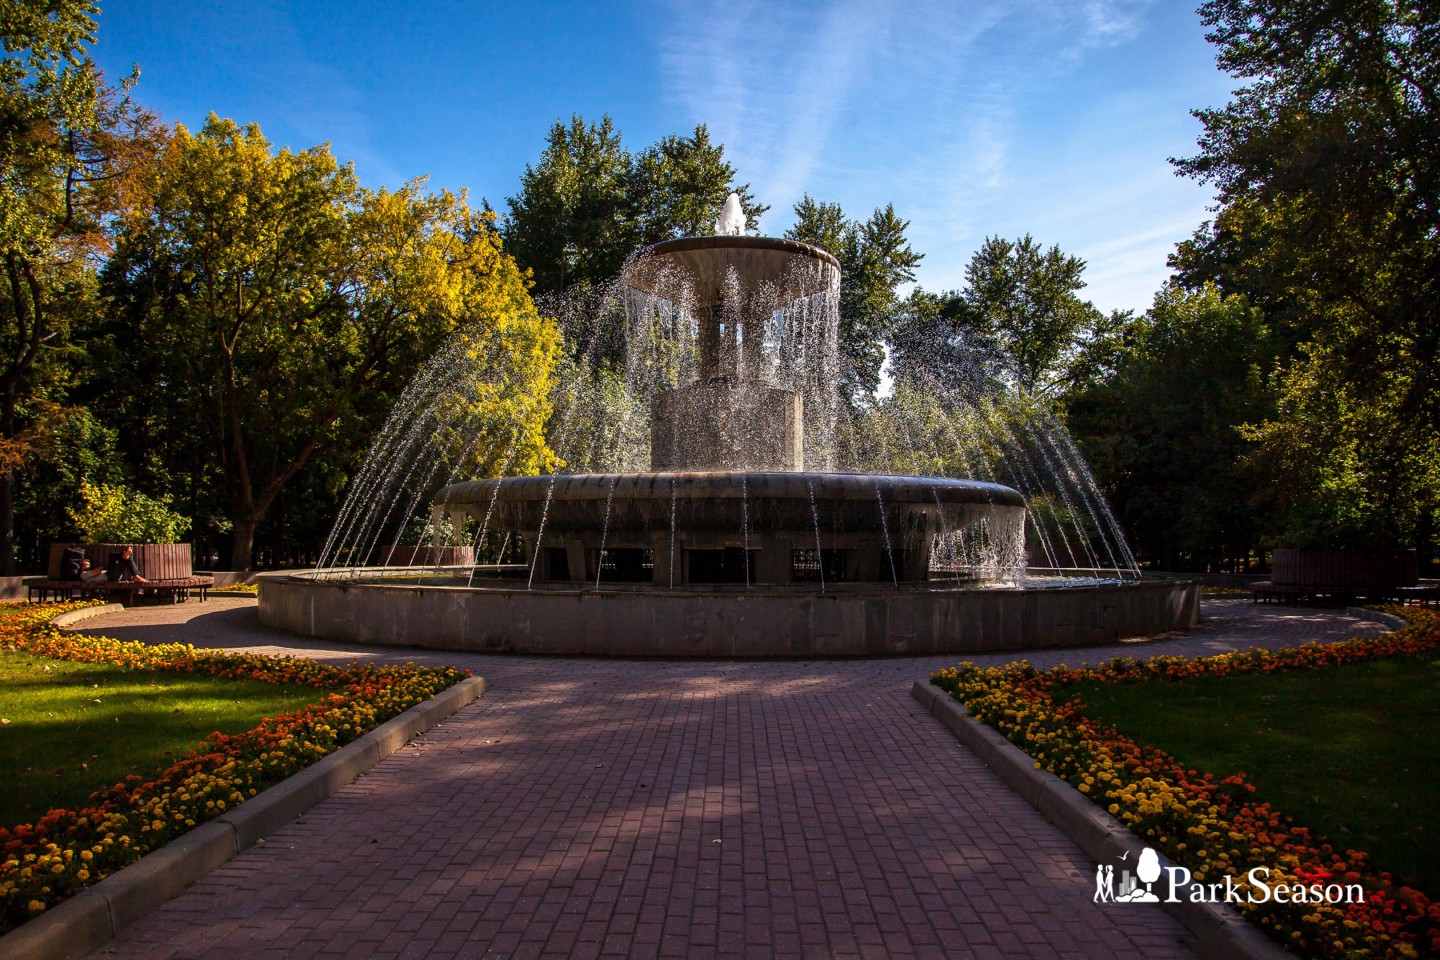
(1338, 575)
(166, 567)
(1267, 591)
(1424, 595)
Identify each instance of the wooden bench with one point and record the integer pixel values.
(43, 589)
(1339, 576)
(176, 590)
(1267, 591)
(165, 567)
(1423, 595)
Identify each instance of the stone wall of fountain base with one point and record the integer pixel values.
(693, 624)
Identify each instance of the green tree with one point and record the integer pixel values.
(678, 185)
(275, 306)
(1026, 298)
(821, 224)
(1326, 166)
(939, 342)
(78, 448)
(1163, 429)
(875, 261)
(70, 146)
(588, 203)
(568, 224)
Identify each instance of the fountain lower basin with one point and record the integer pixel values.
(724, 621)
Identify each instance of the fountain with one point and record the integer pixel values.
(739, 536)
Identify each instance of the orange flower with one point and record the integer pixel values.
(225, 769)
(1202, 823)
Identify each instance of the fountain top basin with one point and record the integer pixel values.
(706, 271)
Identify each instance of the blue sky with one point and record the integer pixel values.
(1048, 117)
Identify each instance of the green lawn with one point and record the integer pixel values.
(1348, 751)
(69, 729)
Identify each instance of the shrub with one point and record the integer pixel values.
(117, 514)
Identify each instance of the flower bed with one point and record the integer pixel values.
(248, 589)
(1211, 826)
(1210, 591)
(47, 861)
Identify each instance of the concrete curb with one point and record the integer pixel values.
(1220, 932)
(85, 922)
(75, 616)
(1375, 616)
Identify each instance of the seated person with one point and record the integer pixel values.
(122, 569)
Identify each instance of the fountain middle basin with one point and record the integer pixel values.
(750, 527)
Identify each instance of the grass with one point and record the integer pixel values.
(1348, 751)
(69, 729)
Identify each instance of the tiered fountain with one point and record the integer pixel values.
(738, 540)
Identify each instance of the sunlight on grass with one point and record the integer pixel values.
(1346, 751)
(69, 729)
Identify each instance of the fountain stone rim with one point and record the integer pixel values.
(723, 242)
(734, 484)
(642, 271)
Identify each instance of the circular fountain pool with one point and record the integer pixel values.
(742, 538)
(870, 619)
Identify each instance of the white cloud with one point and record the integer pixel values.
(772, 80)
(1112, 21)
(973, 118)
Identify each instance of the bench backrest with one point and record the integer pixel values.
(155, 561)
(1345, 568)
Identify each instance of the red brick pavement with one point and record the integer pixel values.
(623, 808)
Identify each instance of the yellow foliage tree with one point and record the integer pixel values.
(292, 304)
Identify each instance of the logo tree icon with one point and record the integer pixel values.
(1148, 868)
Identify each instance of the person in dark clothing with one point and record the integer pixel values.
(72, 563)
(122, 567)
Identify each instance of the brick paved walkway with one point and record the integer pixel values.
(624, 808)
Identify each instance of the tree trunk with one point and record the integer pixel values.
(243, 546)
(7, 490)
(7, 526)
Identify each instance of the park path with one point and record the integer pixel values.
(635, 808)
